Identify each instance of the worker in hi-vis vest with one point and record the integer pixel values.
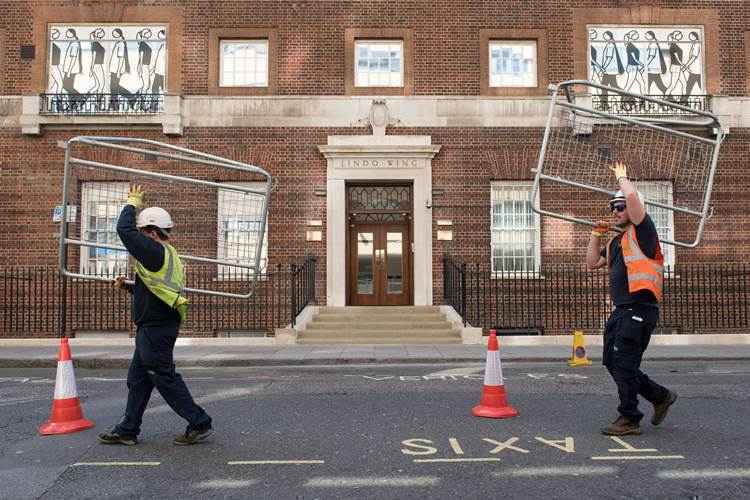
(636, 272)
(158, 309)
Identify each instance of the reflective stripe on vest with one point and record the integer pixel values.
(643, 273)
(167, 283)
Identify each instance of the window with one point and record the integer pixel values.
(379, 63)
(244, 63)
(101, 204)
(661, 192)
(239, 218)
(515, 229)
(513, 63)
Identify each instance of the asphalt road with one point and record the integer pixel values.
(402, 431)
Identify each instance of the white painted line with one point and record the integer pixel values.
(359, 482)
(275, 462)
(635, 457)
(212, 398)
(450, 460)
(703, 474)
(573, 470)
(626, 447)
(116, 464)
(221, 484)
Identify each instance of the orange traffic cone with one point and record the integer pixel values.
(493, 404)
(67, 415)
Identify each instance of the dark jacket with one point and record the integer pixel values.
(148, 309)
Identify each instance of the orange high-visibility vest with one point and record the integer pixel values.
(643, 273)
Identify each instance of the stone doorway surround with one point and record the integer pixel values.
(378, 157)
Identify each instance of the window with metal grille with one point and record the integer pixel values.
(243, 63)
(238, 230)
(661, 192)
(101, 204)
(516, 232)
(379, 63)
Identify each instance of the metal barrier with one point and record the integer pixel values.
(39, 301)
(581, 141)
(238, 244)
(560, 298)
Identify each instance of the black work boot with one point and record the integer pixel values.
(114, 437)
(193, 436)
(661, 409)
(622, 427)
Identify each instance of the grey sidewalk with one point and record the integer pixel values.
(223, 354)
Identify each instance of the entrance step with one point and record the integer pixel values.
(380, 325)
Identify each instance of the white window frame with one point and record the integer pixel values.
(648, 189)
(223, 42)
(238, 272)
(525, 188)
(370, 42)
(499, 83)
(86, 263)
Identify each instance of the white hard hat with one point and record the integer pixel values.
(154, 216)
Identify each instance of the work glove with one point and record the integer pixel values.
(135, 197)
(119, 283)
(601, 230)
(620, 170)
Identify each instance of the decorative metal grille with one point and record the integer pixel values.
(379, 199)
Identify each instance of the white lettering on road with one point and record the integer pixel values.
(414, 443)
(455, 446)
(504, 445)
(567, 445)
(628, 448)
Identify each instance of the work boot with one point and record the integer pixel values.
(114, 437)
(193, 436)
(622, 427)
(661, 409)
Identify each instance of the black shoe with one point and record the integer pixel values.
(661, 409)
(622, 427)
(193, 436)
(114, 437)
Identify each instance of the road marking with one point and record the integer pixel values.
(216, 484)
(635, 457)
(449, 460)
(20, 380)
(703, 474)
(359, 482)
(466, 370)
(456, 446)
(626, 447)
(567, 445)
(275, 462)
(573, 470)
(116, 464)
(211, 398)
(504, 445)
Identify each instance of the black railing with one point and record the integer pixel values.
(101, 104)
(698, 298)
(626, 105)
(37, 301)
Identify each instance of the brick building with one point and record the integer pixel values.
(397, 133)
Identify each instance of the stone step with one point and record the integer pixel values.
(378, 340)
(379, 309)
(421, 334)
(378, 325)
(382, 317)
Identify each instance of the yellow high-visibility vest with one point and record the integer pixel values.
(167, 283)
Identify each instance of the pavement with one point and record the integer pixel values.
(238, 352)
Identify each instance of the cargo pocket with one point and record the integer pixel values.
(627, 349)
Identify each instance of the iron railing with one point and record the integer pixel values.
(38, 301)
(618, 105)
(698, 298)
(101, 104)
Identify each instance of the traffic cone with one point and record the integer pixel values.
(578, 358)
(493, 403)
(66, 415)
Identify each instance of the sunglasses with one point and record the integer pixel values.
(618, 207)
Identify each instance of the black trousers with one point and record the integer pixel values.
(153, 366)
(626, 337)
